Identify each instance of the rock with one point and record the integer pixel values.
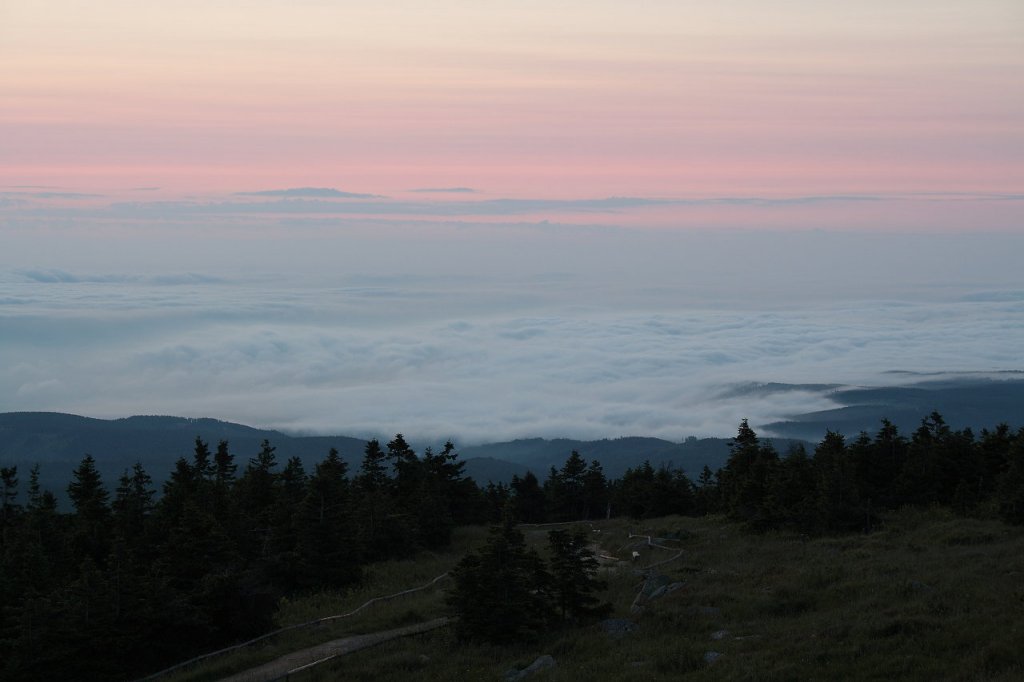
(618, 627)
(542, 663)
(711, 656)
(653, 583)
(664, 589)
(704, 611)
(719, 634)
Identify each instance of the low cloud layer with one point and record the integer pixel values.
(923, 211)
(272, 311)
(584, 352)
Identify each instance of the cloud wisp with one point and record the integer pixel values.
(929, 212)
(309, 193)
(444, 190)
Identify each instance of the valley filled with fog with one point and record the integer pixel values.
(485, 332)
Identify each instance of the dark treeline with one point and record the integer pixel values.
(842, 485)
(130, 581)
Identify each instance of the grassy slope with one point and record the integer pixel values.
(930, 596)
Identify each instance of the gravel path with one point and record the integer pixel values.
(278, 669)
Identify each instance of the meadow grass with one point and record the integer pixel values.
(927, 596)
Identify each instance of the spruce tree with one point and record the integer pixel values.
(327, 549)
(839, 506)
(205, 466)
(374, 501)
(528, 499)
(8, 493)
(744, 480)
(1010, 492)
(595, 492)
(573, 577)
(133, 505)
(89, 498)
(500, 592)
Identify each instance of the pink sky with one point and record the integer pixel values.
(528, 99)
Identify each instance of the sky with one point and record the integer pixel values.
(492, 219)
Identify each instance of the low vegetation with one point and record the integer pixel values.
(926, 595)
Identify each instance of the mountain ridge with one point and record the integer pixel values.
(58, 441)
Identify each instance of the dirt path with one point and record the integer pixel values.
(293, 662)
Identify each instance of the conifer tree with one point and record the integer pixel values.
(224, 465)
(8, 493)
(256, 492)
(284, 520)
(89, 498)
(937, 458)
(634, 491)
(1010, 492)
(496, 498)
(992, 458)
(528, 501)
(500, 592)
(706, 496)
(839, 506)
(374, 501)
(133, 504)
(595, 492)
(328, 553)
(223, 501)
(440, 496)
(35, 492)
(205, 466)
(744, 480)
(792, 492)
(573, 577)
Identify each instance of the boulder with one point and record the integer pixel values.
(653, 584)
(618, 627)
(542, 663)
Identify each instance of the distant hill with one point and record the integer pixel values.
(58, 442)
(977, 402)
(616, 455)
(484, 470)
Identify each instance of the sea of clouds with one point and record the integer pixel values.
(491, 331)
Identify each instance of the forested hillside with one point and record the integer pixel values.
(127, 583)
(964, 401)
(57, 442)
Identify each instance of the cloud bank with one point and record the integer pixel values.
(313, 310)
(593, 335)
